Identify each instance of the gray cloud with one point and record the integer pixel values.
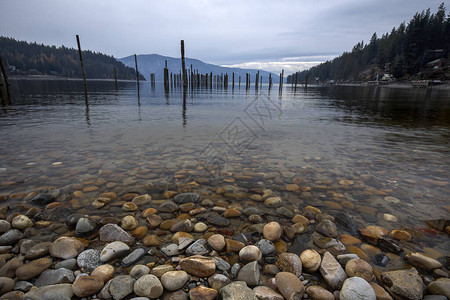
(222, 32)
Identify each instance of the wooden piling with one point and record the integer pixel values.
(5, 75)
(270, 80)
(166, 77)
(295, 79)
(256, 80)
(306, 81)
(233, 81)
(115, 78)
(239, 81)
(137, 74)
(183, 65)
(2, 90)
(82, 67)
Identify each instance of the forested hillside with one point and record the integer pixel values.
(22, 58)
(418, 50)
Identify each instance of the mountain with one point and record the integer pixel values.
(154, 63)
(418, 50)
(23, 58)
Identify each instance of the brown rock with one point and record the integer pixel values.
(232, 213)
(310, 260)
(33, 268)
(332, 271)
(198, 265)
(290, 262)
(348, 240)
(401, 235)
(9, 268)
(403, 284)
(150, 240)
(272, 231)
(140, 232)
(233, 246)
(86, 286)
(360, 268)
(300, 219)
(6, 285)
(154, 220)
(316, 292)
(289, 286)
(103, 272)
(440, 287)
(266, 293)
(422, 261)
(203, 293)
(380, 292)
(66, 247)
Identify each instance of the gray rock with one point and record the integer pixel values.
(134, 256)
(250, 273)
(44, 198)
(59, 213)
(284, 212)
(332, 271)
(237, 290)
(435, 297)
(216, 219)
(26, 244)
(23, 286)
(344, 258)
(10, 237)
(38, 250)
(440, 287)
(356, 288)
(4, 226)
(148, 286)
(64, 289)
(170, 250)
(139, 271)
(113, 232)
(168, 206)
(403, 284)
(174, 280)
(197, 248)
(50, 277)
(266, 247)
(68, 264)
(89, 259)
(186, 198)
(217, 281)
(235, 269)
(184, 242)
(121, 286)
(327, 228)
(221, 264)
(85, 225)
(54, 296)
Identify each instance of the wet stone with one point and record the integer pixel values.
(85, 225)
(186, 198)
(202, 293)
(403, 284)
(174, 280)
(44, 198)
(216, 219)
(113, 250)
(170, 250)
(38, 250)
(86, 286)
(49, 277)
(112, 233)
(356, 288)
(290, 262)
(217, 281)
(327, 228)
(89, 259)
(121, 286)
(197, 248)
(33, 269)
(289, 285)
(221, 264)
(67, 263)
(250, 273)
(237, 290)
(10, 237)
(266, 247)
(316, 292)
(133, 257)
(332, 271)
(380, 260)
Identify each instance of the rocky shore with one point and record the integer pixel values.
(222, 243)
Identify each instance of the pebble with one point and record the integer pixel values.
(6, 285)
(390, 218)
(266, 293)
(266, 247)
(250, 273)
(198, 265)
(148, 286)
(217, 242)
(158, 271)
(272, 231)
(359, 268)
(89, 259)
(64, 289)
(217, 281)
(67, 263)
(113, 232)
(403, 284)
(332, 271)
(129, 223)
(142, 199)
(174, 280)
(49, 277)
(290, 262)
(38, 250)
(327, 228)
(237, 290)
(85, 225)
(21, 222)
(139, 270)
(310, 260)
(380, 293)
(33, 269)
(289, 285)
(422, 261)
(197, 248)
(356, 288)
(273, 202)
(170, 250)
(200, 227)
(391, 199)
(4, 226)
(10, 237)
(112, 250)
(440, 287)
(86, 286)
(103, 272)
(121, 286)
(202, 293)
(316, 292)
(250, 253)
(186, 198)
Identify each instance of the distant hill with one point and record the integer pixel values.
(154, 63)
(23, 58)
(419, 50)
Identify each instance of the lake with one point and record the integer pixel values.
(368, 151)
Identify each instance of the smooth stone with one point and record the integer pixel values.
(316, 292)
(113, 232)
(356, 288)
(422, 261)
(66, 247)
(391, 199)
(23, 286)
(332, 271)
(217, 242)
(134, 256)
(233, 246)
(170, 250)
(359, 268)
(112, 250)
(174, 280)
(184, 225)
(86, 286)
(13, 295)
(139, 270)
(168, 207)
(221, 264)
(129, 223)
(284, 212)
(401, 235)
(150, 240)
(103, 272)
(266, 293)
(250, 253)
(85, 225)
(289, 286)
(216, 219)
(67, 263)
(9, 269)
(217, 281)
(440, 287)
(310, 260)
(64, 289)
(89, 259)
(344, 258)
(186, 198)
(184, 242)
(235, 269)
(250, 273)
(403, 284)
(273, 202)
(4, 226)
(50, 277)
(6, 285)
(44, 198)
(21, 222)
(198, 265)
(200, 227)
(203, 293)
(266, 247)
(197, 248)
(33, 269)
(272, 231)
(237, 290)
(10, 237)
(148, 286)
(38, 250)
(390, 218)
(158, 271)
(380, 293)
(290, 262)
(121, 286)
(327, 228)
(142, 199)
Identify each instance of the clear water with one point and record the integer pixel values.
(358, 144)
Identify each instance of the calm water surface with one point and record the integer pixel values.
(341, 145)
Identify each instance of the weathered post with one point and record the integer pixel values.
(270, 80)
(183, 65)
(5, 75)
(233, 81)
(256, 80)
(239, 81)
(192, 78)
(296, 79)
(282, 77)
(166, 77)
(82, 67)
(137, 74)
(306, 81)
(2, 90)
(115, 77)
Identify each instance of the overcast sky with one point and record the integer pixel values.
(270, 35)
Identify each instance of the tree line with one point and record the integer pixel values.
(405, 53)
(32, 58)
